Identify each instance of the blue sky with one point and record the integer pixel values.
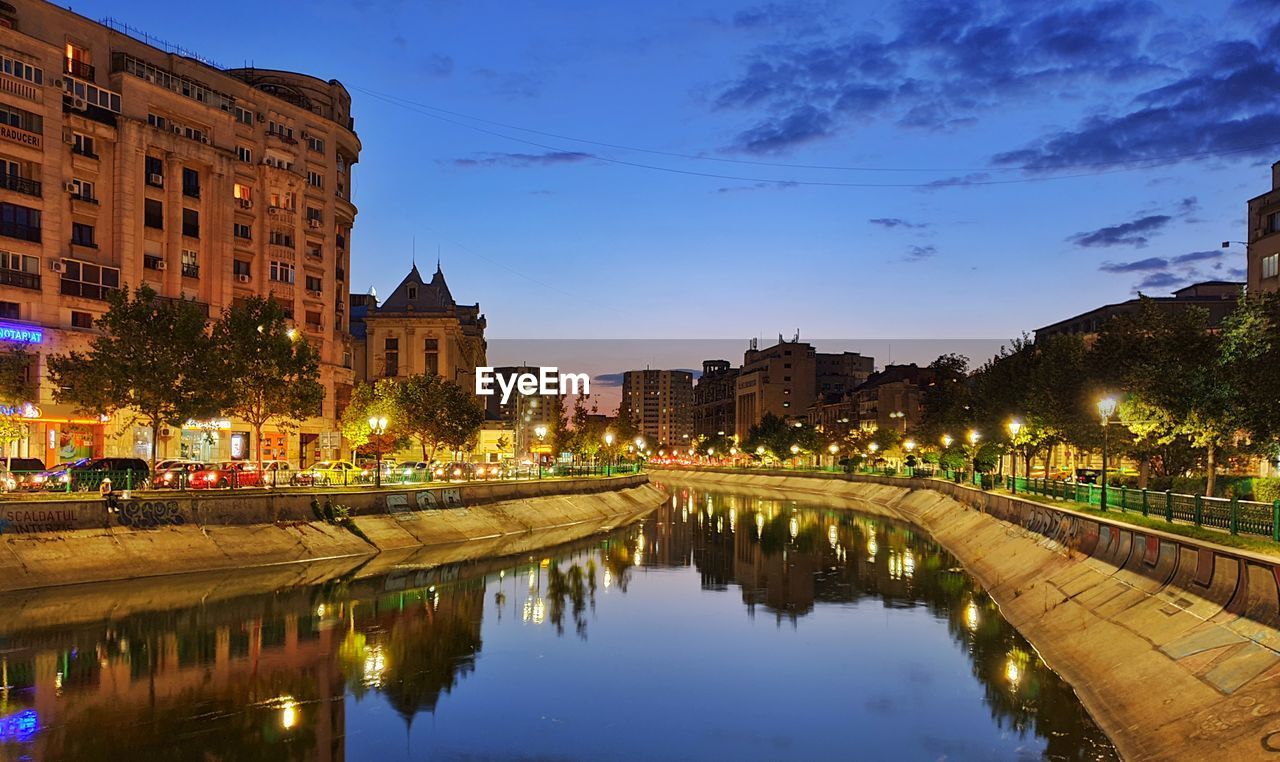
(1135, 132)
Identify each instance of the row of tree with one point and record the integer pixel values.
(434, 413)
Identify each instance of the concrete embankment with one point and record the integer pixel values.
(1172, 644)
(46, 543)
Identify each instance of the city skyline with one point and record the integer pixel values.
(525, 228)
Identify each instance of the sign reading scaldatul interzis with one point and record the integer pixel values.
(22, 334)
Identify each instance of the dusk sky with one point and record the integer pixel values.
(1033, 159)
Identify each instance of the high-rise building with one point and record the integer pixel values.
(124, 164)
(1263, 233)
(839, 373)
(659, 404)
(777, 380)
(713, 399)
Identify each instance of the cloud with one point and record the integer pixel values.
(1161, 280)
(1133, 233)
(897, 222)
(1212, 255)
(1142, 265)
(919, 253)
(801, 125)
(609, 380)
(438, 66)
(550, 158)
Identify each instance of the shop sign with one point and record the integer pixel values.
(25, 410)
(22, 334)
(238, 446)
(215, 424)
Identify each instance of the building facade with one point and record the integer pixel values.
(713, 399)
(1216, 297)
(122, 164)
(659, 404)
(839, 373)
(525, 415)
(780, 380)
(892, 399)
(1263, 232)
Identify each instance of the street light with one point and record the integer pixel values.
(1106, 406)
(1014, 427)
(973, 438)
(947, 440)
(377, 427)
(608, 453)
(541, 432)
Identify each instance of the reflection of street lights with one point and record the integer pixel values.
(540, 431)
(1106, 406)
(377, 428)
(1014, 427)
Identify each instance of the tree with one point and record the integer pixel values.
(272, 373)
(152, 357)
(1250, 357)
(947, 400)
(380, 399)
(15, 387)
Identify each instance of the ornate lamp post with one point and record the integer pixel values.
(1014, 427)
(1106, 406)
(540, 431)
(639, 452)
(377, 428)
(910, 446)
(608, 453)
(974, 436)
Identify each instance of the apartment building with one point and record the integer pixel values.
(839, 373)
(892, 399)
(713, 399)
(1263, 232)
(779, 379)
(659, 404)
(124, 164)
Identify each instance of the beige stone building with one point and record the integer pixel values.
(779, 379)
(659, 404)
(1264, 238)
(123, 164)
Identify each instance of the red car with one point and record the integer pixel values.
(225, 474)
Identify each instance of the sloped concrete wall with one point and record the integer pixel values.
(491, 515)
(1171, 643)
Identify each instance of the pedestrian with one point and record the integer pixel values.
(104, 489)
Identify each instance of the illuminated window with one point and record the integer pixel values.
(1271, 266)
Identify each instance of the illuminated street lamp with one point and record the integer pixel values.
(540, 431)
(640, 450)
(973, 438)
(377, 428)
(1014, 427)
(1106, 407)
(608, 453)
(947, 440)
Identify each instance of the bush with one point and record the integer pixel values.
(315, 509)
(1266, 489)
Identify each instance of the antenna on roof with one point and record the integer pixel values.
(413, 251)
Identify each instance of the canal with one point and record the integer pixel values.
(720, 627)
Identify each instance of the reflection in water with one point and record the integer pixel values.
(301, 674)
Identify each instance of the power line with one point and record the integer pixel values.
(1105, 167)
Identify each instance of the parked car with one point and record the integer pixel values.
(228, 473)
(455, 471)
(55, 478)
(175, 473)
(416, 471)
(124, 473)
(17, 471)
(328, 472)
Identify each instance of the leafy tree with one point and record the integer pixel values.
(437, 412)
(1250, 357)
(16, 386)
(380, 399)
(947, 400)
(152, 356)
(270, 372)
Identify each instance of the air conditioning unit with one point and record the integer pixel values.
(314, 223)
(204, 139)
(177, 129)
(72, 188)
(68, 136)
(245, 203)
(165, 432)
(79, 104)
(243, 278)
(55, 265)
(274, 210)
(162, 265)
(314, 292)
(156, 179)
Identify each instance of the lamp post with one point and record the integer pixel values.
(910, 446)
(541, 432)
(639, 452)
(377, 428)
(608, 453)
(974, 436)
(1106, 406)
(1014, 427)
(834, 449)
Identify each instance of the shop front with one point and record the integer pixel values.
(203, 441)
(54, 433)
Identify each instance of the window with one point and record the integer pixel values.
(9, 310)
(315, 179)
(245, 154)
(244, 115)
(157, 121)
(1273, 223)
(314, 320)
(20, 222)
(92, 94)
(432, 349)
(88, 280)
(153, 214)
(81, 319)
(23, 120)
(282, 201)
(240, 267)
(82, 235)
(155, 171)
(191, 223)
(83, 190)
(242, 192)
(314, 251)
(83, 145)
(281, 131)
(282, 272)
(190, 263)
(1271, 266)
(242, 230)
(190, 182)
(314, 214)
(21, 270)
(413, 293)
(314, 283)
(279, 238)
(21, 70)
(315, 144)
(152, 261)
(391, 349)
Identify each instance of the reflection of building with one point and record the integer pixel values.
(1216, 297)
(420, 329)
(713, 399)
(659, 404)
(122, 164)
(1263, 231)
(778, 380)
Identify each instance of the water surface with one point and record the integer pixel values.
(720, 627)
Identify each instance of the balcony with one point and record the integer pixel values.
(190, 271)
(287, 140)
(85, 290)
(20, 279)
(20, 88)
(24, 185)
(20, 230)
(203, 307)
(80, 69)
